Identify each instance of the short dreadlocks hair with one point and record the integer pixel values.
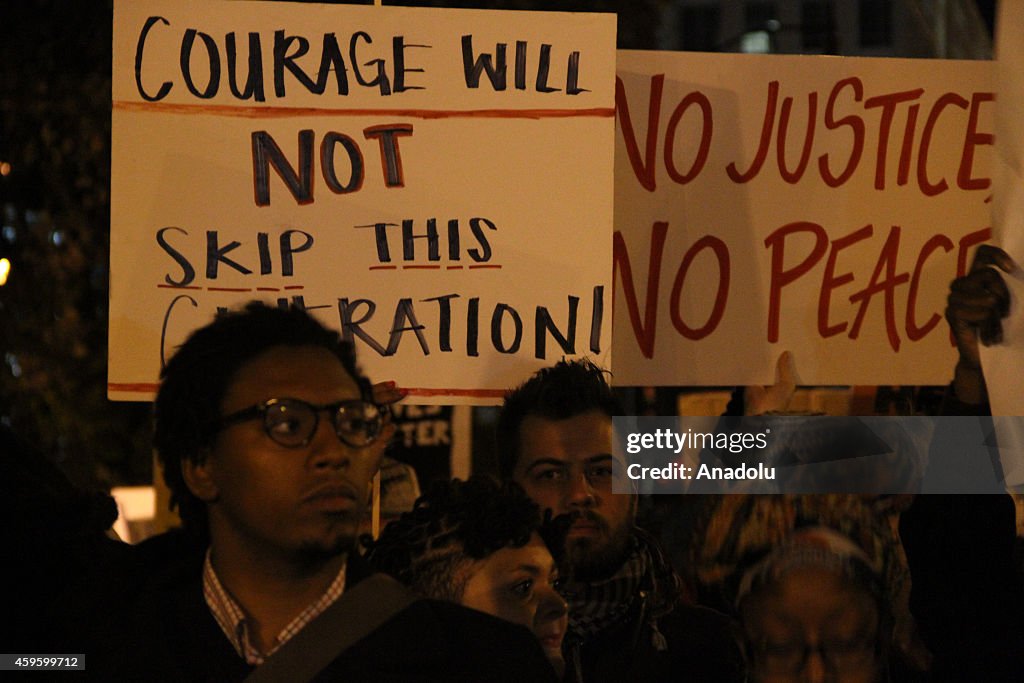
(566, 389)
(195, 379)
(454, 524)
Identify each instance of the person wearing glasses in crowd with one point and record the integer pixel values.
(814, 609)
(269, 437)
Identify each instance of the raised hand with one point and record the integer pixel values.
(975, 309)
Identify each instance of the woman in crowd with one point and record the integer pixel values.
(482, 545)
(814, 609)
(737, 530)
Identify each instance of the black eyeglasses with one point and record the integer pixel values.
(292, 422)
(839, 656)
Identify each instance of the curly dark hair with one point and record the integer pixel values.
(454, 523)
(195, 379)
(566, 389)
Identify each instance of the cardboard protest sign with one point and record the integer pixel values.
(819, 205)
(1003, 363)
(436, 184)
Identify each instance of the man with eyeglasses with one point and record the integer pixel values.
(269, 438)
(814, 608)
(627, 618)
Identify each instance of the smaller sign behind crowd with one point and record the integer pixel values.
(424, 441)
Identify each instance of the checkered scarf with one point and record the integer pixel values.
(595, 606)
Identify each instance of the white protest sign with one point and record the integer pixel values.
(820, 205)
(1003, 364)
(435, 184)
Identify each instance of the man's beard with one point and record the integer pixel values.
(593, 559)
(317, 550)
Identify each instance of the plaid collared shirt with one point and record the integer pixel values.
(236, 624)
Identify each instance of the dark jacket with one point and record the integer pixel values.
(166, 633)
(967, 596)
(59, 564)
(659, 639)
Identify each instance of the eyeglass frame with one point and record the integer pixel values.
(260, 410)
(826, 650)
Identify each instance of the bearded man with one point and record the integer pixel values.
(627, 617)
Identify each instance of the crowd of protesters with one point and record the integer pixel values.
(269, 436)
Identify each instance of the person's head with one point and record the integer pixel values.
(813, 611)
(849, 455)
(555, 440)
(479, 544)
(266, 433)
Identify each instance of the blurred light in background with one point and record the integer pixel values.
(756, 42)
(13, 364)
(5, 270)
(136, 507)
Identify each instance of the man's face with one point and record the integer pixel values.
(300, 503)
(566, 465)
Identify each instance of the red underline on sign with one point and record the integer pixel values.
(272, 112)
(150, 388)
(432, 267)
(478, 393)
(287, 288)
(134, 388)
